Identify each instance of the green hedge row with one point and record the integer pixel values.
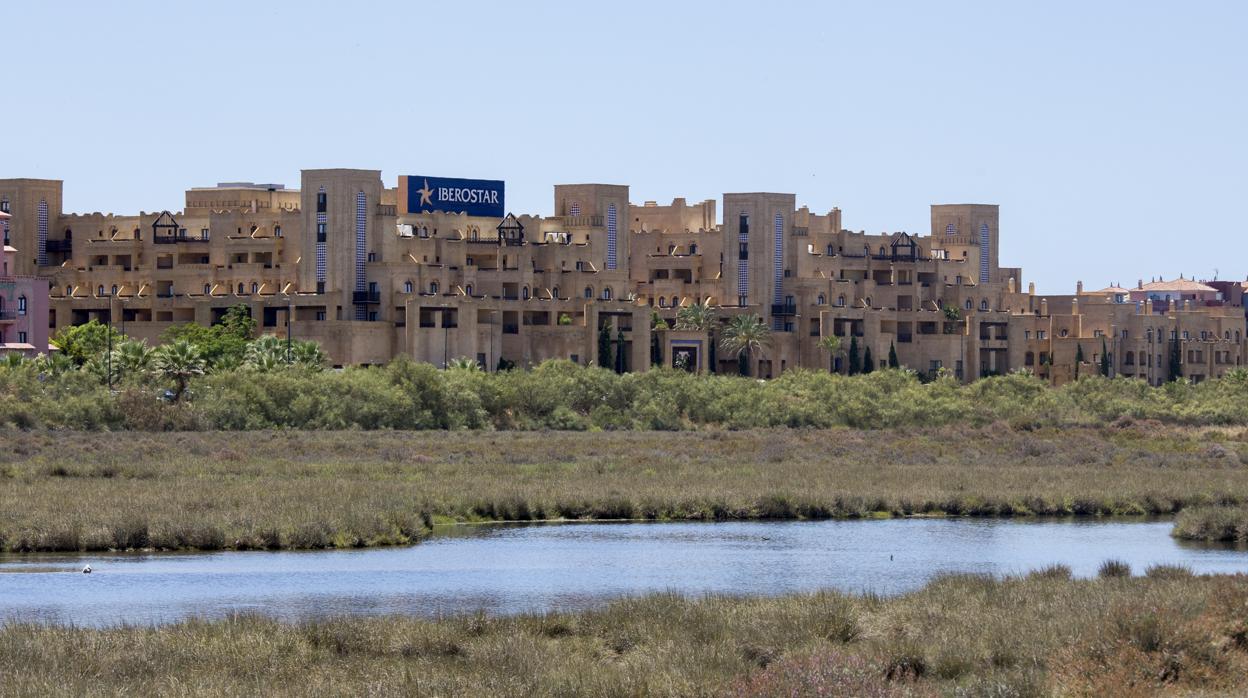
(562, 395)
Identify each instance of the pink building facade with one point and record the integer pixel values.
(23, 304)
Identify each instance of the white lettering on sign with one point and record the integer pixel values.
(464, 195)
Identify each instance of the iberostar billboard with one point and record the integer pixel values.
(475, 197)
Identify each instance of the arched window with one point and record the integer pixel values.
(1063, 333)
(424, 231)
(675, 302)
(21, 305)
(1129, 359)
(867, 301)
(840, 301)
(821, 300)
(69, 291)
(524, 293)
(554, 292)
(240, 289)
(983, 304)
(433, 287)
(474, 233)
(100, 290)
(969, 304)
(407, 287)
(255, 288)
(606, 293)
(207, 290)
(693, 248)
(1226, 335)
(468, 290)
(114, 290)
(662, 302)
(671, 249)
(589, 290)
(580, 266)
(829, 251)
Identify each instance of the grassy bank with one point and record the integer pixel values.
(289, 489)
(562, 395)
(1041, 635)
(1228, 524)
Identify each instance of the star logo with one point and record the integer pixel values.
(426, 195)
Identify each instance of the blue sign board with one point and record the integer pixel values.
(475, 197)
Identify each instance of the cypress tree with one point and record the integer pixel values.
(1104, 359)
(868, 363)
(604, 347)
(892, 356)
(854, 362)
(1176, 359)
(1078, 359)
(619, 351)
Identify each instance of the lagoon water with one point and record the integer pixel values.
(513, 569)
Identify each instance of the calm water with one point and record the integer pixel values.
(572, 566)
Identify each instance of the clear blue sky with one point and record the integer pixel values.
(1112, 134)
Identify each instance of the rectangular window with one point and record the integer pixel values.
(203, 233)
(21, 337)
(742, 301)
(320, 287)
(320, 316)
(575, 358)
(320, 232)
(743, 225)
(743, 250)
(320, 202)
(1040, 334)
(372, 316)
(1026, 334)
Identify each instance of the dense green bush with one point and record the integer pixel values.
(563, 395)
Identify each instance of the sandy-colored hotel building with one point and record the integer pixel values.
(435, 269)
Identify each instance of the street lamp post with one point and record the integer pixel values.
(108, 332)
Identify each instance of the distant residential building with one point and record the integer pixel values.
(23, 303)
(436, 270)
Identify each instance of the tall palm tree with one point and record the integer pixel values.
(133, 357)
(832, 344)
(698, 316)
(744, 336)
(179, 361)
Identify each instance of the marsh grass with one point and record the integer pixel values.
(64, 490)
(1213, 523)
(960, 635)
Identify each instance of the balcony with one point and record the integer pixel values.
(366, 297)
(66, 246)
(171, 239)
(8, 315)
(783, 309)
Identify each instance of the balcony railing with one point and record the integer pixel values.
(66, 246)
(783, 309)
(7, 315)
(366, 297)
(171, 239)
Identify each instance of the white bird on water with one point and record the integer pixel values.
(86, 570)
